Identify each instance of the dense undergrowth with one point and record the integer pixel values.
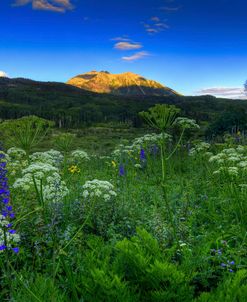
(159, 219)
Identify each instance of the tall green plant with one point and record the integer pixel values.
(26, 132)
(162, 118)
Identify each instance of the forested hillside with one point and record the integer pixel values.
(71, 107)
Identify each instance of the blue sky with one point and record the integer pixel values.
(192, 46)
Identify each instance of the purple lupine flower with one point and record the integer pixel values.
(15, 249)
(121, 170)
(5, 207)
(2, 247)
(142, 155)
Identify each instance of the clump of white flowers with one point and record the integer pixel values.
(8, 238)
(186, 123)
(200, 148)
(147, 142)
(99, 189)
(55, 189)
(52, 157)
(232, 161)
(45, 176)
(79, 156)
(16, 153)
(16, 160)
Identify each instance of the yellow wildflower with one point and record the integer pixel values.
(114, 164)
(74, 169)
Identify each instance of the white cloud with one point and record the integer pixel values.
(155, 19)
(224, 92)
(136, 56)
(59, 6)
(123, 38)
(127, 45)
(3, 74)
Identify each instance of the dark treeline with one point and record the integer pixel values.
(70, 107)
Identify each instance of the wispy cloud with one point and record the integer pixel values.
(3, 74)
(170, 8)
(127, 45)
(155, 19)
(59, 6)
(155, 25)
(123, 38)
(136, 56)
(225, 92)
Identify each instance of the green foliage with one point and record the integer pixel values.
(37, 289)
(135, 270)
(26, 132)
(160, 117)
(231, 121)
(233, 289)
(178, 240)
(70, 107)
(64, 142)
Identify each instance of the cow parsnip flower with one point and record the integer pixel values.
(16, 153)
(186, 123)
(98, 189)
(79, 156)
(51, 157)
(53, 187)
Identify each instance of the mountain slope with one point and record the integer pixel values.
(126, 84)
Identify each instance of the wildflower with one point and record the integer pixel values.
(46, 175)
(142, 155)
(80, 156)
(8, 236)
(200, 148)
(138, 166)
(16, 153)
(15, 249)
(98, 188)
(51, 157)
(113, 164)
(186, 123)
(121, 170)
(74, 169)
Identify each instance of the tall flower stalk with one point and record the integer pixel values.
(162, 118)
(8, 236)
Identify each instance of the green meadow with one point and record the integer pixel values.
(115, 214)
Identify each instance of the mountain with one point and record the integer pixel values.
(126, 84)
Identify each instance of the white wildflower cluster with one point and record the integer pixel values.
(7, 238)
(79, 156)
(146, 142)
(16, 153)
(54, 189)
(200, 148)
(149, 140)
(232, 161)
(186, 123)
(52, 157)
(98, 188)
(16, 160)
